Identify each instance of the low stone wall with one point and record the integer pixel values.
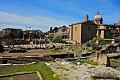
(62, 56)
(29, 59)
(18, 51)
(22, 73)
(100, 58)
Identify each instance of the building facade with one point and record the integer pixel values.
(8, 31)
(82, 32)
(62, 31)
(85, 31)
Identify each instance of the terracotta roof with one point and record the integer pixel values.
(118, 24)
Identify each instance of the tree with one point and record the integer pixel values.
(94, 43)
(1, 48)
(19, 34)
(15, 35)
(58, 39)
(51, 30)
(12, 35)
(63, 26)
(55, 29)
(97, 43)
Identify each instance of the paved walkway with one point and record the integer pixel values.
(39, 75)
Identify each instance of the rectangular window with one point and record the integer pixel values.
(75, 28)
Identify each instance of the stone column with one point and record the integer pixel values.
(97, 33)
(102, 34)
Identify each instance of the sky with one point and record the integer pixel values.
(43, 14)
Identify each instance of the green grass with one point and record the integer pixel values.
(91, 62)
(55, 50)
(86, 62)
(45, 71)
(115, 62)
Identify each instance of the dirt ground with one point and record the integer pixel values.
(37, 52)
(30, 76)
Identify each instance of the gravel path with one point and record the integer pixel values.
(69, 71)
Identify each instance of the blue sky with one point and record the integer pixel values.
(42, 14)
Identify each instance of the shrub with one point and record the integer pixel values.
(1, 48)
(58, 39)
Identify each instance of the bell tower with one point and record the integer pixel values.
(86, 18)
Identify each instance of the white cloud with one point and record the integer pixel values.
(35, 20)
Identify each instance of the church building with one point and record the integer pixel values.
(84, 31)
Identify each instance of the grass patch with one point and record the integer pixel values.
(91, 62)
(85, 62)
(45, 71)
(73, 67)
(55, 50)
(115, 62)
